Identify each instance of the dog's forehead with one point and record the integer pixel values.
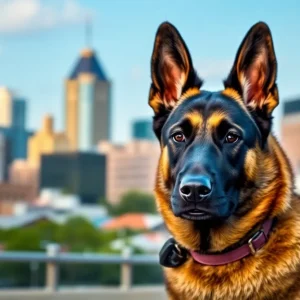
(207, 103)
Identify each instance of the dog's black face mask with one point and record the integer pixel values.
(209, 140)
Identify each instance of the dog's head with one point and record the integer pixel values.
(211, 142)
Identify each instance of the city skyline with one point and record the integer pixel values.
(39, 45)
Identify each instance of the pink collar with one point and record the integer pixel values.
(256, 242)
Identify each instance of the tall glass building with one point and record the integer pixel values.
(19, 113)
(142, 130)
(13, 126)
(87, 103)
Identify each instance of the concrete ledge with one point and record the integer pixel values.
(145, 293)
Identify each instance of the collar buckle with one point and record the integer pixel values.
(172, 255)
(251, 245)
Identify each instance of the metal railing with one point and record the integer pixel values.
(53, 258)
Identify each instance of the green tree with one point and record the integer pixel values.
(78, 234)
(26, 239)
(29, 238)
(134, 202)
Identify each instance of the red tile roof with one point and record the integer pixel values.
(135, 221)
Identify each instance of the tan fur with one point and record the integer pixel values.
(195, 119)
(155, 102)
(215, 119)
(233, 94)
(189, 93)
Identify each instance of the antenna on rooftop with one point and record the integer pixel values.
(88, 31)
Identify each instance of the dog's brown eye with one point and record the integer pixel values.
(179, 137)
(232, 138)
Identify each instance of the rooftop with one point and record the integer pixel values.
(134, 221)
(88, 63)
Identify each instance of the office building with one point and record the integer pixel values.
(6, 99)
(12, 109)
(13, 127)
(142, 130)
(16, 144)
(46, 141)
(21, 173)
(291, 132)
(19, 113)
(87, 103)
(129, 167)
(81, 174)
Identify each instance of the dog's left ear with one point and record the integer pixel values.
(172, 70)
(254, 72)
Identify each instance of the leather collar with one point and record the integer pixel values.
(173, 255)
(256, 242)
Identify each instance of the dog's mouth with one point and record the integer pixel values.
(196, 215)
(217, 211)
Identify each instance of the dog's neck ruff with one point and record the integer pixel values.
(256, 242)
(172, 255)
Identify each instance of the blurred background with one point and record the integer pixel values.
(77, 152)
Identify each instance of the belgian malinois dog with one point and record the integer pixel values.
(224, 185)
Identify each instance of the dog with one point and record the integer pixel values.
(224, 185)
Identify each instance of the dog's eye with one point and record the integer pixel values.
(179, 137)
(231, 138)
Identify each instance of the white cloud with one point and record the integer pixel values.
(30, 15)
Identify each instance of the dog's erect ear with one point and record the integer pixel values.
(254, 71)
(172, 71)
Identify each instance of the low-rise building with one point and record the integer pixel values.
(12, 194)
(46, 141)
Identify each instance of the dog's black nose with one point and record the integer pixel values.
(195, 188)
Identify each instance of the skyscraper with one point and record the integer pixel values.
(142, 130)
(12, 109)
(19, 113)
(6, 99)
(13, 126)
(87, 103)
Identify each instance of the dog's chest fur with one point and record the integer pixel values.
(273, 273)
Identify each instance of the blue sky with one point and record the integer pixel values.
(40, 41)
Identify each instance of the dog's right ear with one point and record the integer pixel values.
(172, 73)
